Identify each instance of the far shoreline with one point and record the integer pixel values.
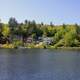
(57, 48)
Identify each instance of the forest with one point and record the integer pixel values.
(30, 34)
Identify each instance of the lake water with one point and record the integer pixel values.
(39, 64)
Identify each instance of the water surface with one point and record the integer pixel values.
(39, 64)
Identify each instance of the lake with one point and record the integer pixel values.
(39, 64)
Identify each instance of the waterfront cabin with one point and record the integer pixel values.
(47, 40)
(29, 40)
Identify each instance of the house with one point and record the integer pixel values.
(47, 40)
(29, 39)
(40, 39)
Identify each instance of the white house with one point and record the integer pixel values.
(47, 40)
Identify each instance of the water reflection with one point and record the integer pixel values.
(39, 64)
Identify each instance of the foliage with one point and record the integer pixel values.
(63, 35)
(5, 31)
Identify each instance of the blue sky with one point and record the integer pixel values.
(57, 11)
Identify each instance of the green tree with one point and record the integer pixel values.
(69, 38)
(12, 23)
(51, 24)
(6, 30)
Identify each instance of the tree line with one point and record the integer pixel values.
(63, 35)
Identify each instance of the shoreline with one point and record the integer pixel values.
(62, 48)
(11, 46)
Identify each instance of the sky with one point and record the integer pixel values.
(56, 11)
